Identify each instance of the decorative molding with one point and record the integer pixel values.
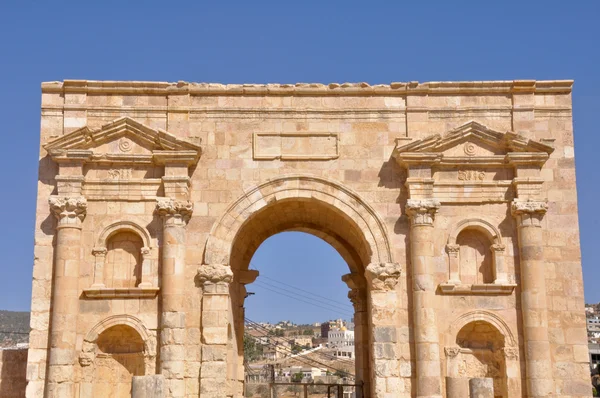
(422, 211)
(383, 276)
(68, 210)
(530, 206)
(215, 273)
(121, 292)
(529, 213)
(120, 129)
(295, 146)
(452, 352)
(477, 289)
(174, 209)
(333, 89)
(511, 353)
(471, 175)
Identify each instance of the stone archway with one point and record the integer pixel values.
(318, 206)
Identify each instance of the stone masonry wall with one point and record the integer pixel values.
(350, 134)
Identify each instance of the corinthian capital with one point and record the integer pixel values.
(68, 210)
(422, 211)
(529, 212)
(383, 276)
(358, 300)
(215, 274)
(174, 209)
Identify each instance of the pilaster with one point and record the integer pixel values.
(427, 348)
(70, 213)
(534, 309)
(384, 303)
(215, 280)
(175, 215)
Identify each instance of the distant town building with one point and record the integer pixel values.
(342, 341)
(275, 351)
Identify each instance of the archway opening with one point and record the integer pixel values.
(119, 357)
(337, 229)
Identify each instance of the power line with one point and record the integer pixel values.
(304, 301)
(302, 290)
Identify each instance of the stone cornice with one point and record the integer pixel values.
(332, 89)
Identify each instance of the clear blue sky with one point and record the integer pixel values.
(284, 42)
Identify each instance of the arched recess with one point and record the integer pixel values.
(478, 224)
(123, 226)
(315, 205)
(499, 275)
(486, 316)
(481, 344)
(128, 330)
(147, 278)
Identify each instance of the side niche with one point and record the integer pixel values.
(476, 260)
(125, 264)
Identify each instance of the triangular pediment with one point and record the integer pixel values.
(474, 139)
(124, 135)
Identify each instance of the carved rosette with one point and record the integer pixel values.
(175, 211)
(215, 278)
(529, 212)
(422, 211)
(68, 210)
(383, 276)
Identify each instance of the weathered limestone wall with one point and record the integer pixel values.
(353, 135)
(13, 372)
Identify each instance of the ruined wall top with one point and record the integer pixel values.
(333, 89)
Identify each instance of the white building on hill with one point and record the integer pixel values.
(342, 341)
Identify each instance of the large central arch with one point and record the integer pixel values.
(310, 204)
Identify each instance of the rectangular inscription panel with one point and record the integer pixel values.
(295, 146)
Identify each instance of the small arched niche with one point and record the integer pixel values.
(476, 260)
(479, 352)
(124, 263)
(119, 357)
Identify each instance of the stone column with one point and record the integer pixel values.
(538, 359)
(358, 299)
(426, 336)
(215, 280)
(385, 322)
(175, 215)
(70, 212)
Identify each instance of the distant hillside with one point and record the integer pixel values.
(14, 328)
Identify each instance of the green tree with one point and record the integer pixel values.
(252, 350)
(297, 377)
(307, 332)
(296, 349)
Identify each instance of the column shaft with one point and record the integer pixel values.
(172, 334)
(65, 296)
(426, 336)
(216, 331)
(533, 298)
